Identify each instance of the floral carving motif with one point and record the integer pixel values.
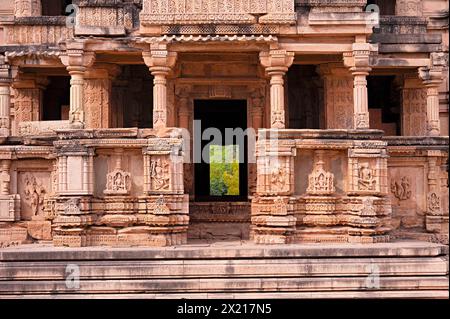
(401, 188)
(34, 194)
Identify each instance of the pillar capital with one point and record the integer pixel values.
(76, 58)
(159, 59)
(276, 61)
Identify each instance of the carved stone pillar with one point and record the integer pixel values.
(358, 61)
(160, 62)
(277, 63)
(338, 96)
(27, 8)
(414, 107)
(5, 99)
(77, 61)
(97, 96)
(432, 79)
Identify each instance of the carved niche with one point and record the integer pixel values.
(118, 182)
(320, 182)
(414, 111)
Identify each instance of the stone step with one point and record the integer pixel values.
(367, 294)
(233, 270)
(223, 285)
(143, 269)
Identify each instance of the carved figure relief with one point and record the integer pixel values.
(34, 194)
(366, 178)
(434, 203)
(409, 7)
(118, 182)
(320, 182)
(278, 178)
(401, 188)
(160, 174)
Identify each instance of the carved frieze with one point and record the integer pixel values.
(169, 12)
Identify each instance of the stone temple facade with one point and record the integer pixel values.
(348, 99)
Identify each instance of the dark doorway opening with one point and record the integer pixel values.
(56, 99)
(220, 160)
(55, 7)
(384, 104)
(305, 98)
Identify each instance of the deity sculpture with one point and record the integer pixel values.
(366, 178)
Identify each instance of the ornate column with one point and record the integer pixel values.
(77, 61)
(277, 63)
(358, 62)
(5, 98)
(432, 79)
(160, 62)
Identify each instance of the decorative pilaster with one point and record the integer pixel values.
(27, 8)
(277, 63)
(432, 79)
(160, 62)
(414, 106)
(28, 100)
(9, 204)
(358, 62)
(77, 61)
(97, 95)
(5, 98)
(338, 95)
(273, 220)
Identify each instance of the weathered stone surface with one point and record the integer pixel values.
(40, 230)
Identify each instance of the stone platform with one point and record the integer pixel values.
(229, 270)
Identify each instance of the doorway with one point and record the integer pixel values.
(220, 152)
